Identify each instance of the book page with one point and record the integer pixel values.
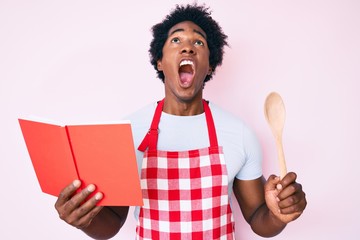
(50, 154)
(105, 156)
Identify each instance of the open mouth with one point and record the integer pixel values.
(186, 72)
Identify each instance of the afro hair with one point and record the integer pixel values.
(201, 16)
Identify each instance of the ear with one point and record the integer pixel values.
(159, 65)
(210, 71)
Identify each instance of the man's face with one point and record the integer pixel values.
(185, 61)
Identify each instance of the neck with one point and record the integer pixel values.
(183, 108)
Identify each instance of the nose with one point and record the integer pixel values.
(188, 48)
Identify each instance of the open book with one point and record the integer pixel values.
(102, 154)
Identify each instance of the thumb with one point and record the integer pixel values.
(273, 183)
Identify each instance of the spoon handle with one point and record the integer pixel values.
(281, 158)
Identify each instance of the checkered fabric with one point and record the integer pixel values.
(185, 195)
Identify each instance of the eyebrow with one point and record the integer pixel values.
(182, 30)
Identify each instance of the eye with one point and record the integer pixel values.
(175, 40)
(199, 42)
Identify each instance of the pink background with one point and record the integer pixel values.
(81, 61)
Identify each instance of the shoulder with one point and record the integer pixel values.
(225, 119)
(140, 121)
(231, 127)
(143, 115)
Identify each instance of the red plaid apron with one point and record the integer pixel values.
(185, 193)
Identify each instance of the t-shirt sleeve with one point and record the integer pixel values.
(252, 168)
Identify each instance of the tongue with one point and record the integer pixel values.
(185, 77)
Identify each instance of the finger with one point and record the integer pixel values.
(271, 183)
(294, 208)
(78, 199)
(288, 179)
(290, 200)
(83, 216)
(86, 220)
(295, 202)
(290, 190)
(89, 205)
(67, 192)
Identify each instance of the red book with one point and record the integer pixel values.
(102, 154)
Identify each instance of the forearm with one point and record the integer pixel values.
(265, 223)
(107, 223)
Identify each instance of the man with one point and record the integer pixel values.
(194, 154)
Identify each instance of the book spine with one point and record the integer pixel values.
(72, 152)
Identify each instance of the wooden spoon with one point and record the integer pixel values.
(275, 116)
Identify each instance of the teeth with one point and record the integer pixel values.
(186, 62)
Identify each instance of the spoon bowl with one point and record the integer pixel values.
(275, 115)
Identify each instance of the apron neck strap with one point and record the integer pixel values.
(210, 125)
(151, 138)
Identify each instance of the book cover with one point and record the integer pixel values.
(102, 154)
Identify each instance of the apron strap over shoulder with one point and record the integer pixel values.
(150, 140)
(210, 125)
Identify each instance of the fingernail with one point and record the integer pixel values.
(76, 183)
(98, 196)
(278, 186)
(277, 199)
(91, 188)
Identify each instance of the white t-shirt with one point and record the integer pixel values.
(242, 151)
